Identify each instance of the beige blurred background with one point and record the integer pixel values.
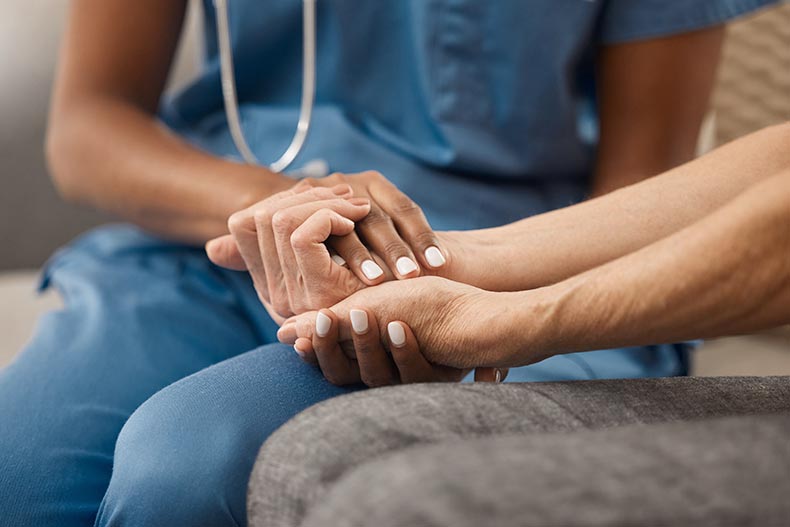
(754, 91)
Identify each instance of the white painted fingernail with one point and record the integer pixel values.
(371, 270)
(497, 375)
(338, 260)
(299, 352)
(397, 334)
(322, 324)
(359, 321)
(434, 257)
(405, 266)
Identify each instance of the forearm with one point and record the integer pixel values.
(111, 155)
(728, 273)
(548, 248)
(652, 99)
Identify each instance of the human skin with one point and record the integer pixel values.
(658, 265)
(107, 149)
(650, 118)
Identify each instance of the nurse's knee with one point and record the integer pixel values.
(169, 468)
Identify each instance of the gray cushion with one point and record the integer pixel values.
(724, 472)
(302, 461)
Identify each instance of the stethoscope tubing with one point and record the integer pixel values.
(230, 97)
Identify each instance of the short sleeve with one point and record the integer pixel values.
(628, 20)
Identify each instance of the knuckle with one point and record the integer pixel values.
(263, 216)
(373, 174)
(336, 379)
(282, 222)
(425, 238)
(403, 357)
(361, 345)
(236, 221)
(319, 193)
(300, 240)
(376, 218)
(356, 255)
(395, 248)
(305, 184)
(332, 179)
(403, 205)
(376, 380)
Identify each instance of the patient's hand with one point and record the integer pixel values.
(280, 241)
(457, 327)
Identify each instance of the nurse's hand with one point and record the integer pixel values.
(455, 325)
(395, 229)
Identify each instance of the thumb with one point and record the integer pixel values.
(224, 252)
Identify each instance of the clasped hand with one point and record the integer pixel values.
(374, 231)
(320, 242)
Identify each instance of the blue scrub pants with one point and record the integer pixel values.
(140, 404)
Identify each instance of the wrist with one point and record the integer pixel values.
(475, 258)
(524, 328)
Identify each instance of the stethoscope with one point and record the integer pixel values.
(316, 168)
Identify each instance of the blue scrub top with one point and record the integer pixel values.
(483, 111)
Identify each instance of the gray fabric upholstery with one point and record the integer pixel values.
(726, 472)
(303, 460)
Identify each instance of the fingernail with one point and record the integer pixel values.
(338, 260)
(341, 189)
(397, 335)
(359, 202)
(405, 266)
(434, 257)
(497, 375)
(322, 324)
(371, 270)
(299, 352)
(359, 321)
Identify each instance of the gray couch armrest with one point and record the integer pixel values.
(300, 464)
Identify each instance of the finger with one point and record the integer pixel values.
(375, 366)
(335, 365)
(295, 327)
(224, 252)
(379, 233)
(304, 348)
(303, 229)
(307, 242)
(491, 374)
(358, 258)
(287, 333)
(412, 365)
(242, 227)
(266, 244)
(317, 279)
(410, 223)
